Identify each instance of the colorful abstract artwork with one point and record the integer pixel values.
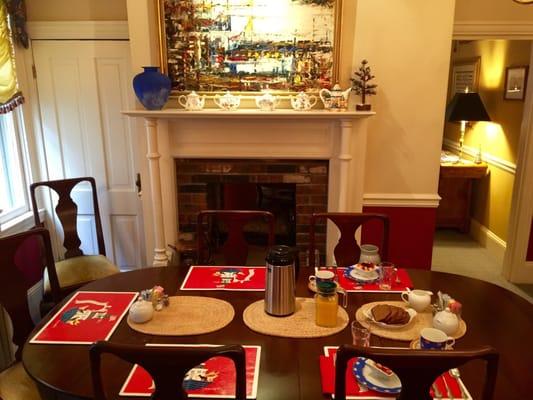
(249, 45)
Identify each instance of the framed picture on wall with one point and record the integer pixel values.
(248, 46)
(465, 75)
(515, 83)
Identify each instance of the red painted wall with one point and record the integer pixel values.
(411, 234)
(529, 256)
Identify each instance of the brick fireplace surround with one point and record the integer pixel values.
(309, 176)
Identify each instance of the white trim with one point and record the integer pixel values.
(488, 239)
(515, 267)
(78, 30)
(493, 29)
(488, 158)
(417, 200)
(20, 224)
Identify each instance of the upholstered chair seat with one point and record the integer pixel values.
(77, 271)
(15, 384)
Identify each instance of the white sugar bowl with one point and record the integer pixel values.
(141, 311)
(446, 321)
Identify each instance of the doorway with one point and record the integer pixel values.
(477, 192)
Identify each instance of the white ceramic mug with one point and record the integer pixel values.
(417, 299)
(322, 275)
(435, 339)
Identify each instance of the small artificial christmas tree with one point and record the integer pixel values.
(362, 87)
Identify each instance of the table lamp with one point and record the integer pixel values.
(466, 107)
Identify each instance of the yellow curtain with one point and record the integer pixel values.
(10, 96)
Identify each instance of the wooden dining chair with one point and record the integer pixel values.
(167, 366)
(77, 268)
(235, 248)
(23, 259)
(417, 369)
(347, 250)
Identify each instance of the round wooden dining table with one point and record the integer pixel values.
(289, 368)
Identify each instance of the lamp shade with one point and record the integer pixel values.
(466, 107)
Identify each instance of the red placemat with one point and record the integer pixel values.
(86, 318)
(403, 282)
(215, 378)
(224, 278)
(327, 375)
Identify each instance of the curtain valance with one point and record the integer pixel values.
(10, 96)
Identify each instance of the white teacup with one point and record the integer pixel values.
(417, 299)
(435, 339)
(322, 275)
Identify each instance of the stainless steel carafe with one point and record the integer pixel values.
(280, 298)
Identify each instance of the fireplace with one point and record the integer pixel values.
(291, 189)
(338, 139)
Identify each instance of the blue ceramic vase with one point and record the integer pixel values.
(152, 88)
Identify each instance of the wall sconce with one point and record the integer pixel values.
(466, 107)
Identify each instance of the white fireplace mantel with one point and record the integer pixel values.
(339, 137)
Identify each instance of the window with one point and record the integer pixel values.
(13, 180)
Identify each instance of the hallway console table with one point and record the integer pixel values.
(455, 189)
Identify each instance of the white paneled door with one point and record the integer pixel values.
(83, 86)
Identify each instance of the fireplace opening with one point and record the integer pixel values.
(277, 198)
(291, 189)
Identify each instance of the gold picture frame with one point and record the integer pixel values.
(204, 78)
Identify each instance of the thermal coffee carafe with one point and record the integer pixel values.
(280, 297)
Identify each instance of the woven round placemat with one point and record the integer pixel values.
(408, 333)
(188, 315)
(301, 324)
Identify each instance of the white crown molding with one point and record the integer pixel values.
(488, 158)
(78, 30)
(494, 29)
(416, 200)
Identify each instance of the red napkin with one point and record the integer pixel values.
(351, 285)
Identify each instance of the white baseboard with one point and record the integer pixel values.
(488, 239)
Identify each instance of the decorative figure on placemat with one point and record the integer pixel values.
(233, 275)
(199, 377)
(73, 316)
(362, 87)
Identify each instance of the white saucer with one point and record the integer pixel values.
(364, 278)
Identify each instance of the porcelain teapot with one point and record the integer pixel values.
(446, 321)
(192, 102)
(227, 102)
(335, 99)
(266, 102)
(303, 102)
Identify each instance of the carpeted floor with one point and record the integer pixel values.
(458, 253)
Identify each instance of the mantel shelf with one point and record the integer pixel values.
(174, 113)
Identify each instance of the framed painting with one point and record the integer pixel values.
(515, 83)
(249, 45)
(465, 76)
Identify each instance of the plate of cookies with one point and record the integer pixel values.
(389, 316)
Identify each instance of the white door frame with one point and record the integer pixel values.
(515, 267)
